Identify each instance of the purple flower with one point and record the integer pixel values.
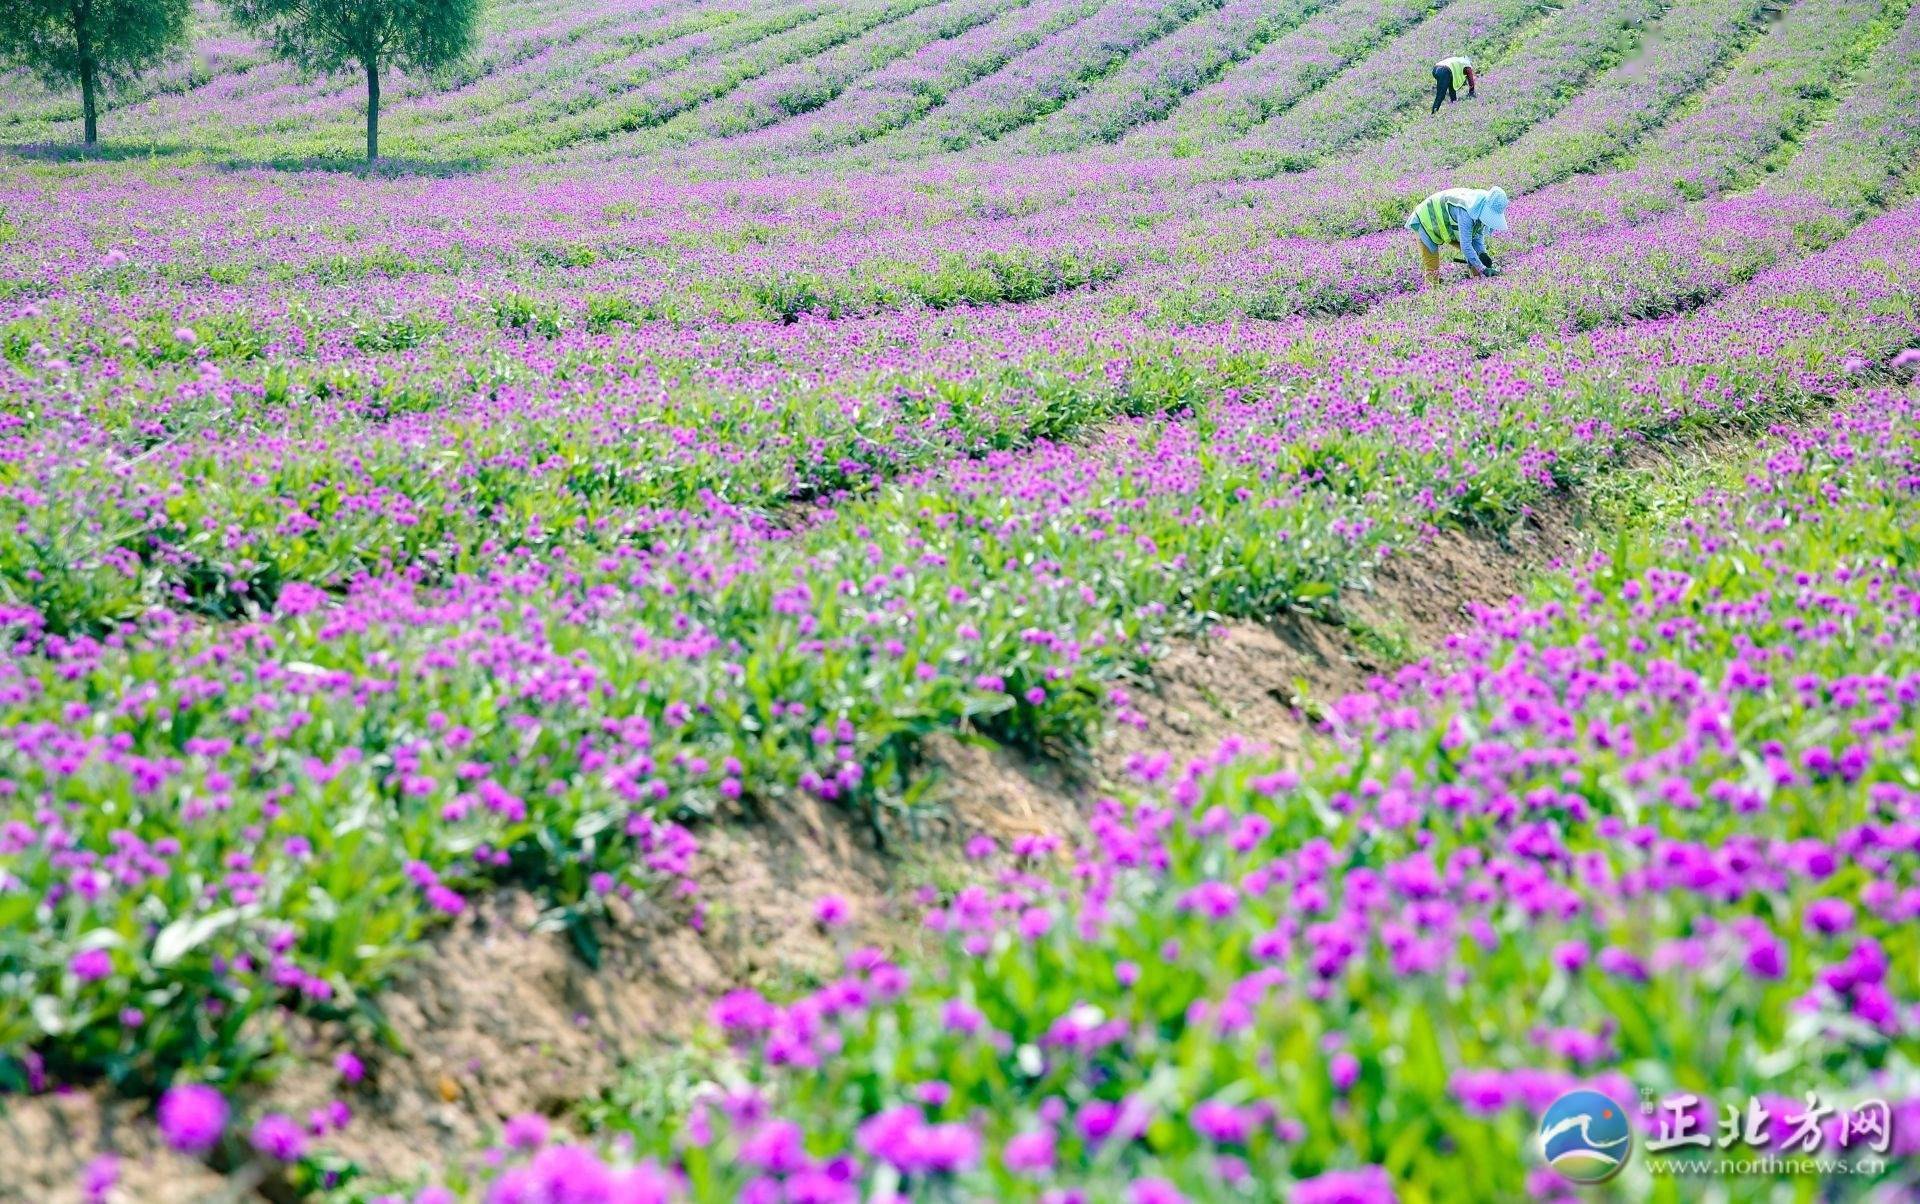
(1030, 1153)
(934, 1093)
(776, 1147)
(349, 1066)
(561, 1174)
(1828, 917)
(811, 1187)
(1154, 1191)
(1767, 958)
(1123, 1120)
(91, 965)
(1035, 922)
(1221, 1123)
(902, 1137)
(99, 1177)
(1570, 956)
(743, 1012)
(831, 911)
(1369, 1185)
(948, 1149)
(961, 1017)
(279, 1136)
(192, 1117)
(526, 1131)
(1344, 1069)
(1480, 1092)
(649, 1184)
(1621, 964)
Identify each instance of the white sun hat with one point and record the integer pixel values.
(1492, 210)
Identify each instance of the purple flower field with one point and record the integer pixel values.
(715, 430)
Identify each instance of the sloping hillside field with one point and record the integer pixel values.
(918, 600)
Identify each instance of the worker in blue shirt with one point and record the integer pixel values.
(1458, 217)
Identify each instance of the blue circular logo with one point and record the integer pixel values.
(1585, 1138)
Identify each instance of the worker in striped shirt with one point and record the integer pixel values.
(1458, 217)
(1448, 76)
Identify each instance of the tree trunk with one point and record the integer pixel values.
(89, 115)
(373, 110)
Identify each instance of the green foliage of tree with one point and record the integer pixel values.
(364, 35)
(96, 43)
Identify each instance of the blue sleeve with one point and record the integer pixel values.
(1473, 241)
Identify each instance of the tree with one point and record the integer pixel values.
(96, 42)
(365, 35)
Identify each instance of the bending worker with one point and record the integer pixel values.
(1459, 217)
(1448, 75)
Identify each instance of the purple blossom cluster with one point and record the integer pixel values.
(1540, 818)
(1598, 810)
